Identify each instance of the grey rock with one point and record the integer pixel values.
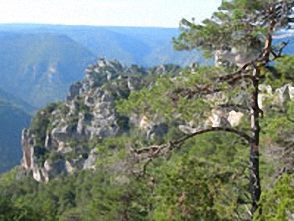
(63, 134)
(89, 101)
(134, 83)
(107, 98)
(28, 143)
(91, 161)
(57, 167)
(74, 90)
(89, 112)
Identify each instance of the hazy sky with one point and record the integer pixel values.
(162, 13)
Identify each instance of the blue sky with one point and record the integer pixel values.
(154, 13)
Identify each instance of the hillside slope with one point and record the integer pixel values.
(12, 120)
(39, 68)
(4, 96)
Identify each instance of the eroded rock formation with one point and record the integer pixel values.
(58, 141)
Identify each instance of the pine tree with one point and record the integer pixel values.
(240, 35)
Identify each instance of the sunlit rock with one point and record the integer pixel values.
(234, 118)
(226, 57)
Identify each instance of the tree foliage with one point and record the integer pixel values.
(244, 31)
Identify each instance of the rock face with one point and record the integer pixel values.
(232, 118)
(234, 56)
(74, 90)
(276, 98)
(90, 162)
(57, 142)
(27, 142)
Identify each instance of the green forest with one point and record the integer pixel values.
(171, 143)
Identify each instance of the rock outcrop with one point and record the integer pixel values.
(59, 139)
(230, 56)
(57, 143)
(232, 118)
(276, 98)
(28, 143)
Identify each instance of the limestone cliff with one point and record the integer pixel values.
(63, 137)
(58, 140)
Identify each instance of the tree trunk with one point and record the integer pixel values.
(254, 144)
(255, 128)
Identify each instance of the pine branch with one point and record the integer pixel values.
(233, 78)
(213, 129)
(241, 71)
(155, 151)
(234, 106)
(242, 76)
(159, 150)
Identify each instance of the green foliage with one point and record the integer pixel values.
(278, 202)
(169, 97)
(41, 122)
(240, 23)
(281, 73)
(9, 211)
(118, 88)
(188, 192)
(285, 67)
(123, 122)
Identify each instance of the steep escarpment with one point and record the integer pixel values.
(59, 138)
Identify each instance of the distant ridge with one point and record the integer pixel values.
(147, 46)
(39, 68)
(6, 97)
(39, 62)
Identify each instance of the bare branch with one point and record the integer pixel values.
(241, 70)
(280, 50)
(213, 129)
(156, 150)
(234, 106)
(234, 79)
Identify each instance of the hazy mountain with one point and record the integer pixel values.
(39, 62)
(4, 96)
(145, 46)
(38, 68)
